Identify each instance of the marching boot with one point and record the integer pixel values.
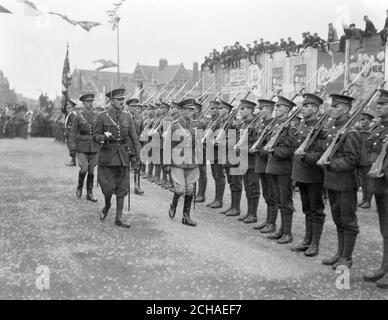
(253, 204)
(277, 235)
(365, 205)
(219, 195)
(72, 162)
(186, 212)
(264, 224)
(346, 258)
(138, 190)
(119, 213)
(231, 204)
(89, 188)
(313, 250)
(287, 233)
(271, 226)
(215, 197)
(174, 205)
(337, 256)
(81, 178)
(105, 210)
(379, 273)
(236, 205)
(305, 244)
(201, 193)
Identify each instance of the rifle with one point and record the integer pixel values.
(178, 92)
(191, 90)
(206, 91)
(173, 89)
(341, 134)
(376, 171)
(263, 135)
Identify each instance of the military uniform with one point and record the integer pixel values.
(184, 170)
(279, 167)
(379, 188)
(340, 179)
(115, 129)
(261, 162)
(81, 142)
(309, 179)
(68, 124)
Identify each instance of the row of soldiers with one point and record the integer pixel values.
(273, 164)
(14, 120)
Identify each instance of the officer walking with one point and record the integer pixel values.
(116, 130)
(82, 145)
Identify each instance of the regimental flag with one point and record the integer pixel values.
(87, 25)
(4, 10)
(30, 9)
(105, 64)
(66, 75)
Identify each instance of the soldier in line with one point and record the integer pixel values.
(269, 225)
(71, 113)
(250, 178)
(309, 178)
(364, 164)
(220, 114)
(185, 173)
(340, 179)
(149, 121)
(134, 109)
(379, 187)
(82, 145)
(116, 130)
(279, 167)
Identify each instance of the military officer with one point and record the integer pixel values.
(250, 178)
(269, 225)
(82, 145)
(364, 165)
(279, 167)
(116, 130)
(340, 179)
(309, 178)
(379, 187)
(184, 170)
(68, 123)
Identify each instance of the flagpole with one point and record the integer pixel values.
(118, 56)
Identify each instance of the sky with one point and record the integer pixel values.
(33, 48)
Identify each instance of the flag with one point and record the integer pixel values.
(4, 10)
(105, 64)
(87, 25)
(30, 9)
(66, 75)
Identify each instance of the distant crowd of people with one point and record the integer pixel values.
(231, 55)
(14, 120)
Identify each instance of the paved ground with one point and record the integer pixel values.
(43, 223)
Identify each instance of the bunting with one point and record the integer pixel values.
(4, 10)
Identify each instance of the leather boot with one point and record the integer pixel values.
(217, 204)
(313, 250)
(89, 188)
(253, 203)
(236, 205)
(305, 244)
(365, 205)
(346, 258)
(383, 282)
(277, 235)
(81, 178)
(201, 193)
(287, 233)
(375, 275)
(138, 190)
(105, 210)
(72, 162)
(174, 205)
(245, 216)
(120, 222)
(271, 226)
(263, 224)
(231, 204)
(186, 212)
(337, 256)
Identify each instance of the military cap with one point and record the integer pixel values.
(87, 97)
(151, 107)
(165, 105)
(224, 104)
(189, 104)
(116, 94)
(339, 98)
(312, 98)
(214, 103)
(264, 103)
(132, 101)
(383, 98)
(367, 114)
(248, 103)
(282, 101)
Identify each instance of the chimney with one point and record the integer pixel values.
(163, 63)
(195, 72)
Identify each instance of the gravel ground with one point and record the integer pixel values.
(44, 224)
